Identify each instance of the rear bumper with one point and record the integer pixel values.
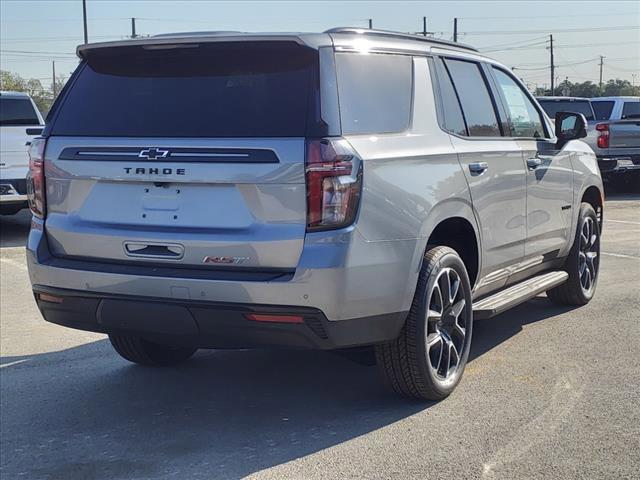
(359, 291)
(615, 165)
(209, 324)
(13, 192)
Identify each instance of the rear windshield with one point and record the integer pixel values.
(631, 110)
(554, 106)
(602, 109)
(223, 90)
(17, 111)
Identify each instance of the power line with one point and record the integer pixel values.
(563, 30)
(553, 16)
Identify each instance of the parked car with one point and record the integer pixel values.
(616, 140)
(20, 121)
(336, 190)
(553, 105)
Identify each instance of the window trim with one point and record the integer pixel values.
(548, 134)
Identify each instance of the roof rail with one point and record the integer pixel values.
(406, 36)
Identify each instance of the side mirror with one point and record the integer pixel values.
(569, 126)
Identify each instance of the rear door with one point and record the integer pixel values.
(492, 165)
(549, 172)
(191, 156)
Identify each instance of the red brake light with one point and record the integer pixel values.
(35, 177)
(334, 178)
(603, 135)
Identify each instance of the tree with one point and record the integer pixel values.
(589, 89)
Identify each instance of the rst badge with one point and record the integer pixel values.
(225, 260)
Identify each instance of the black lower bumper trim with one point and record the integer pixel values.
(210, 324)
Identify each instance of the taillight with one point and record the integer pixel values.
(334, 179)
(35, 177)
(603, 135)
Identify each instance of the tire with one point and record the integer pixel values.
(143, 352)
(414, 364)
(582, 264)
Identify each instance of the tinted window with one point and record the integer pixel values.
(524, 118)
(602, 109)
(17, 111)
(223, 90)
(474, 97)
(375, 92)
(631, 110)
(576, 106)
(452, 119)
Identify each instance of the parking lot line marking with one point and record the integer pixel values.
(621, 255)
(13, 262)
(623, 221)
(14, 363)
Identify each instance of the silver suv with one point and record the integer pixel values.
(354, 188)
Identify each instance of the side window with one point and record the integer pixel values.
(375, 92)
(476, 103)
(525, 120)
(631, 110)
(452, 119)
(602, 109)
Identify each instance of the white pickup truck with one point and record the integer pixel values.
(20, 121)
(616, 139)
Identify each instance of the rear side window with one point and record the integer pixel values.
(219, 90)
(17, 111)
(602, 109)
(631, 110)
(576, 106)
(476, 103)
(524, 118)
(452, 120)
(375, 92)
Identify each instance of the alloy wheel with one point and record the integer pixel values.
(588, 255)
(446, 324)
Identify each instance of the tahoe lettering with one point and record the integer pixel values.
(154, 171)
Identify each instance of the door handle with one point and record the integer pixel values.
(533, 163)
(478, 167)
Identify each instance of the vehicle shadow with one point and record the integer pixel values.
(14, 229)
(224, 414)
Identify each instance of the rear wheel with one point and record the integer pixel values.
(9, 209)
(143, 352)
(583, 262)
(428, 358)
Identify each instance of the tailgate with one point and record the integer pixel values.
(185, 155)
(624, 134)
(237, 203)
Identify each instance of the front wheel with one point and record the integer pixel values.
(143, 352)
(583, 262)
(428, 358)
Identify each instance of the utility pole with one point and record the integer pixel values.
(601, 63)
(84, 19)
(455, 29)
(370, 23)
(553, 67)
(133, 27)
(424, 26)
(53, 86)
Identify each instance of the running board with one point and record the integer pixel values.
(517, 294)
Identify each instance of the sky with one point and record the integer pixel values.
(33, 33)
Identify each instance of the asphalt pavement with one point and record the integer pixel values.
(549, 392)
